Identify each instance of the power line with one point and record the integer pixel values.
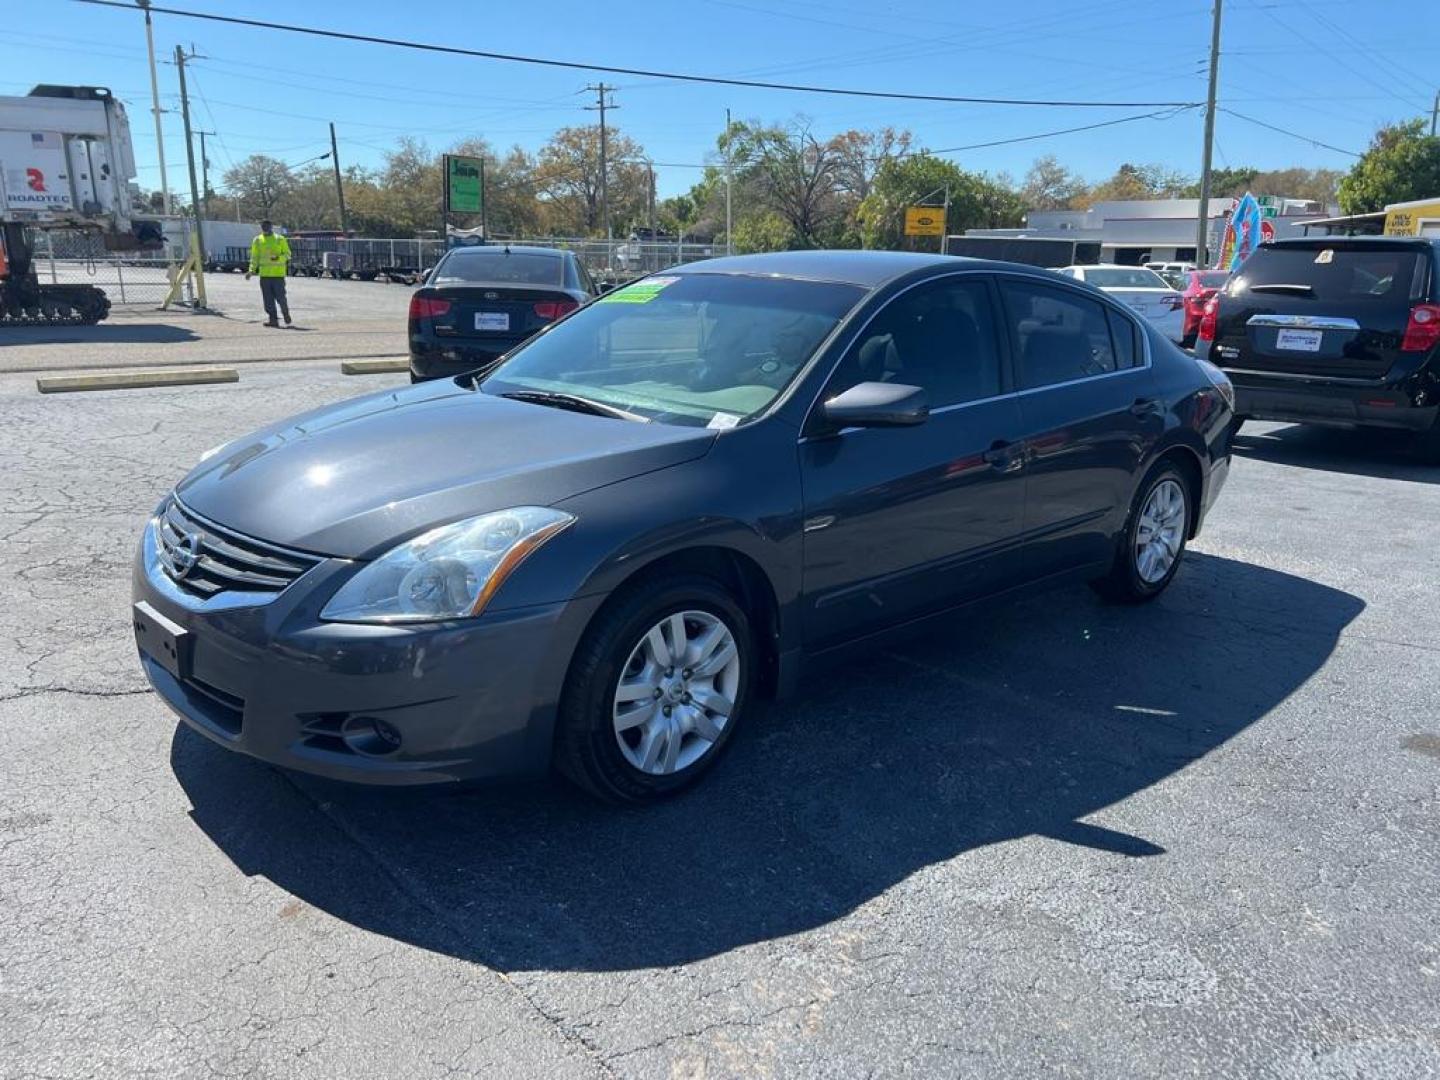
(1164, 114)
(640, 72)
(1292, 134)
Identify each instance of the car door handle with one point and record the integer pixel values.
(1002, 456)
(1145, 406)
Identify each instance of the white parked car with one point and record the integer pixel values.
(1144, 291)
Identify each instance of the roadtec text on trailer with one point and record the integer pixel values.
(65, 162)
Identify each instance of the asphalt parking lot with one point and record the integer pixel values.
(333, 320)
(1056, 838)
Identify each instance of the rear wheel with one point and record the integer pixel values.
(1153, 542)
(657, 688)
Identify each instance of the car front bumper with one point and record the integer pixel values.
(467, 699)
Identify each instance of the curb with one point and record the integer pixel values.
(131, 380)
(373, 367)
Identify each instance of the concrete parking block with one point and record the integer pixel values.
(374, 367)
(132, 380)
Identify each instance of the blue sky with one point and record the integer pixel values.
(1330, 70)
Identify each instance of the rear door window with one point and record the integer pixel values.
(1337, 275)
(1060, 335)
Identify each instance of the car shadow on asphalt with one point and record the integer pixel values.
(125, 333)
(1015, 722)
(1385, 455)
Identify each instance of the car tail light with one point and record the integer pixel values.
(553, 309)
(428, 307)
(1208, 319)
(1422, 332)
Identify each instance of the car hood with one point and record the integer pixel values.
(353, 479)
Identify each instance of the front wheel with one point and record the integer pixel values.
(1153, 542)
(657, 688)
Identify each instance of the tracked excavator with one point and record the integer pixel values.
(66, 162)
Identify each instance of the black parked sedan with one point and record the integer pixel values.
(480, 302)
(600, 554)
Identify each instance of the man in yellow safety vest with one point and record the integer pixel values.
(270, 258)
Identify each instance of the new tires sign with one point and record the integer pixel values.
(464, 184)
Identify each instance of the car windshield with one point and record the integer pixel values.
(1124, 277)
(1212, 279)
(494, 266)
(694, 349)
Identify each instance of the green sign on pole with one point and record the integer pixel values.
(464, 184)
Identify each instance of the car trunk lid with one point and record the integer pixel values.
(1154, 303)
(498, 312)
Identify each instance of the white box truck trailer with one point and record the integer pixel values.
(66, 161)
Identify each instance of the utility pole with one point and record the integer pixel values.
(339, 188)
(156, 110)
(204, 175)
(1435, 114)
(1202, 226)
(601, 106)
(729, 243)
(199, 253)
(650, 166)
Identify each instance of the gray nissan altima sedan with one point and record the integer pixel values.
(598, 552)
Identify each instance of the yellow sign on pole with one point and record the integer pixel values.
(924, 221)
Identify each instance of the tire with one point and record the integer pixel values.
(603, 743)
(1140, 573)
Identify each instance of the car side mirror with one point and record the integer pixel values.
(877, 404)
(602, 287)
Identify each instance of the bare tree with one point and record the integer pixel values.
(259, 181)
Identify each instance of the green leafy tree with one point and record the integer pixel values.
(976, 200)
(567, 179)
(1137, 182)
(766, 231)
(1403, 163)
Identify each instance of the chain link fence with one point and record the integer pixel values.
(138, 279)
(76, 257)
(409, 260)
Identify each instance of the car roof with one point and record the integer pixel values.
(1314, 242)
(869, 269)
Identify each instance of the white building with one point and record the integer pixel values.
(1135, 231)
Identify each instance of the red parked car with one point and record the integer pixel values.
(1199, 287)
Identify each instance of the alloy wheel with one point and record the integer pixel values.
(677, 692)
(1160, 531)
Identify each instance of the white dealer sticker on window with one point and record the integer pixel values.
(722, 421)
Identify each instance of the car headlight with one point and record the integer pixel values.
(447, 573)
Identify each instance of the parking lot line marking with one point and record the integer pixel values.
(131, 380)
(374, 367)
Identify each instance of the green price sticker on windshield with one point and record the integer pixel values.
(642, 292)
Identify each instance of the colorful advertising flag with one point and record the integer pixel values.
(1243, 233)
